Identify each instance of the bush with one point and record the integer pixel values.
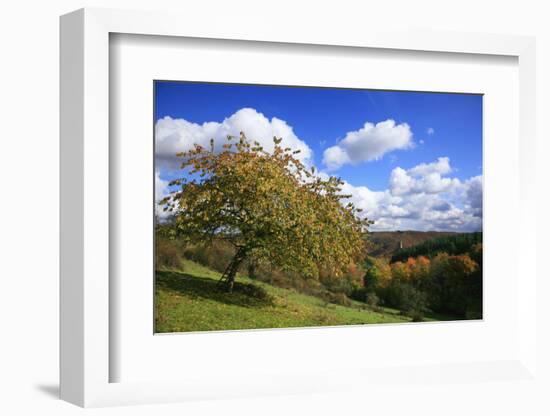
(417, 317)
(339, 299)
(404, 296)
(372, 278)
(216, 255)
(359, 294)
(372, 300)
(167, 255)
(339, 286)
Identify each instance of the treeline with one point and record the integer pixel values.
(445, 283)
(448, 284)
(453, 245)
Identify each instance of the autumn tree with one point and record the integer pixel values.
(400, 271)
(372, 277)
(448, 286)
(268, 205)
(419, 268)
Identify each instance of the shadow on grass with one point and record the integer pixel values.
(244, 294)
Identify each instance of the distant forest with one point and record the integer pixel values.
(451, 244)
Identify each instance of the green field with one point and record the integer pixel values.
(191, 300)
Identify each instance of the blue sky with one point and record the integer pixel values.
(417, 129)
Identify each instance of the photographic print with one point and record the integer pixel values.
(291, 206)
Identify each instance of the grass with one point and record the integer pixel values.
(191, 300)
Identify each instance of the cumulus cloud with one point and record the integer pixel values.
(442, 166)
(335, 156)
(370, 142)
(400, 182)
(161, 187)
(474, 195)
(161, 190)
(420, 198)
(424, 197)
(178, 135)
(424, 178)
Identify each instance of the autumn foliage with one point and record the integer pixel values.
(269, 206)
(445, 283)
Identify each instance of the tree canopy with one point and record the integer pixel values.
(452, 244)
(269, 205)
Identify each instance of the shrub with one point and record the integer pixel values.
(167, 255)
(359, 294)
(338, 285)
(216, 255)
(417, 317)
(372, 300)
(404, 296)
(354, 275)
(371, 280)
(339, 299)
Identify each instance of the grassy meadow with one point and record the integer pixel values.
(189, 299)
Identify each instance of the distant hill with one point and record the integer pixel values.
(452, 244)
(385, 243)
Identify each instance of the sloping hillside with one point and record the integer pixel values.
(190, 300)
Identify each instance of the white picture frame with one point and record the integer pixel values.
(85, 352)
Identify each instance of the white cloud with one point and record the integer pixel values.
(161, 190)
(161, 187)
(434, 184)
(421, 199)
(177, 135)
(423, 178)
(424, 197)
(369, 201)
(370, 142)
(335, 156)
(400, 182)
(442, 166)
(474, 195)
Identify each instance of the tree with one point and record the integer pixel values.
(268, 205)
(451, 244)
(402, 294)
(475, 285)
(372, 277)
(400, 271)
(452, 282)
(419, 269)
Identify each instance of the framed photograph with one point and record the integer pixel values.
(280, 213)
(341, 213)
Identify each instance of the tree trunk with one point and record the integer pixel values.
(233, 267)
